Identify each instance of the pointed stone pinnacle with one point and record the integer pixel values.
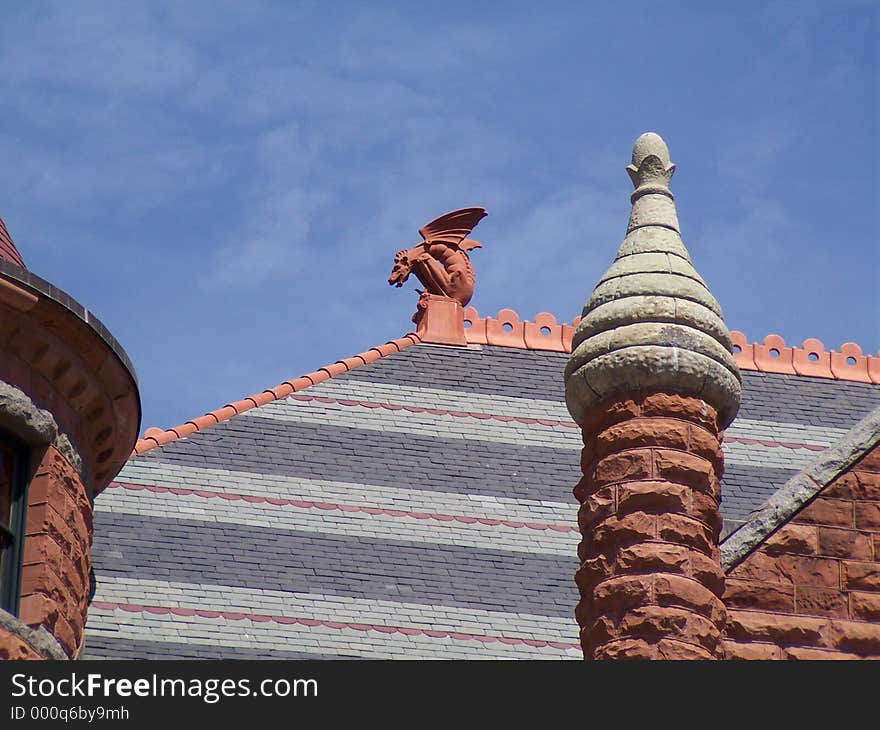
(651, 324)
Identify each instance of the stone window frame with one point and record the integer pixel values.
(12, 553)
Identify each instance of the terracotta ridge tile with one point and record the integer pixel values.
(184, 430)
(240, 406)
(370, 356)
(224, 413)
(336, 368)
(352, 362)
(319, 376)
(267, 396)
(280, 391)
(154, 437)
(209, 419)
(388, 348)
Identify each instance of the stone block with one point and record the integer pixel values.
(858, 637)
(625, 466)
(822, 511)
(816, 601)
(684, 468)
(860, 576)
(784, 630)
(654, 497)
(653, 557)
(839, 543)
(753, 595)
(865, 606)
(793, 539)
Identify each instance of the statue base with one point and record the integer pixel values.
(440, 320)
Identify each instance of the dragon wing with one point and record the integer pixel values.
(452, 228)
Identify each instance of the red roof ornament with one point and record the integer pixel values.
(440, 260)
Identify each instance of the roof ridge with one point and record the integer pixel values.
(771, 355)
(506, 329)
(800, 489)
(154, 437)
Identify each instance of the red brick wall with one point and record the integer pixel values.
(812, 591)
(55, 574)
(650, 577)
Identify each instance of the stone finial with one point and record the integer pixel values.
(650, 163)
(650, 172)
(651, 324)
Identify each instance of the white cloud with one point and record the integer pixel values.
(272, 246)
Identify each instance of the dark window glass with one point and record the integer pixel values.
(12, 508)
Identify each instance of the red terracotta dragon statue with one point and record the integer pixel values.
(440, 260)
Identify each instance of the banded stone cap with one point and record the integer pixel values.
(651, 324)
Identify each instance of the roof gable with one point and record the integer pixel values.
(798, 491)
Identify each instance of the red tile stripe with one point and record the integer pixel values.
(435, 411)
(262, 618)
(333, 506)
(521, 419)
(154, 437)
(774, 444)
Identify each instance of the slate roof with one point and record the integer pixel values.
(415, 506)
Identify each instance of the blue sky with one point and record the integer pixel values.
(225, 184)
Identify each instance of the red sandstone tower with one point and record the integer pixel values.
(69, 416)
(652, 383)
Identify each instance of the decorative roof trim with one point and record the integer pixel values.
(774, 356)
(770, 356)
(800, 489)
(154, 437)
(545, 333)
(507, 330)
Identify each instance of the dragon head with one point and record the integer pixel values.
(402, 268)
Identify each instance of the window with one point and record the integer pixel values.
(13, 468)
